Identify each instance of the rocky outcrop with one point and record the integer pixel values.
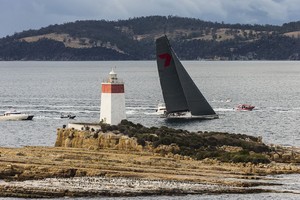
(285, 154)
(93, 163)
(60, 171)
(95, 140)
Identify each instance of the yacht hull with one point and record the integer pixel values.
(188, 115)
(18, 117)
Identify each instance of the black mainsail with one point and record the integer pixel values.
(179, 90)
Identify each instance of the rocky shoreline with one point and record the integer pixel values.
(104, 186)
(45, 172)
(132, 160)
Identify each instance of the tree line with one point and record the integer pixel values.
(135, 38)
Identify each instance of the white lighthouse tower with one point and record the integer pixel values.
(112, 100)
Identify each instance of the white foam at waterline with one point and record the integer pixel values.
(141, 108)
(151, 113)
(224, 109)
(131, 112)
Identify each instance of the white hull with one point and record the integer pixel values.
(161, 109)
(16, 117)
(188, 115)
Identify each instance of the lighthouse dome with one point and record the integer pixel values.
(113, 77)
(112, 72)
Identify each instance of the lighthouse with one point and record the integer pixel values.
(112, 109)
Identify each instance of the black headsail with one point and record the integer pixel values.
(179, 90)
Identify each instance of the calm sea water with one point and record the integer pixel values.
(47, 89)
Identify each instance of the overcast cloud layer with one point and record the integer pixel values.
(19, 15)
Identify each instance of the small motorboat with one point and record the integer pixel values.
(67, 116)
(245, 107)
(15, 116)
(228, 100)
(161, 109)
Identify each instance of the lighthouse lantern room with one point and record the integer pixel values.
(112, 109)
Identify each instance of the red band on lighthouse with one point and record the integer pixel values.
(112, 88)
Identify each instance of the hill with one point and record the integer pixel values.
(134, 39)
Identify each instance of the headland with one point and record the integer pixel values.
(130, 159)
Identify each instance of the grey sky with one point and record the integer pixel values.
(19, 15)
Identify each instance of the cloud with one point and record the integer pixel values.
(263, 11)
(19, 15)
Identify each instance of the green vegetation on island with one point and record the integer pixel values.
(199, 145)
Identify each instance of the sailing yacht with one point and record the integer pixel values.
(182, 97)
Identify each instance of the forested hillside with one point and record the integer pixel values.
(134, 39)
